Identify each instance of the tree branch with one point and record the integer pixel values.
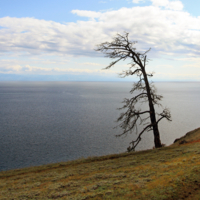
(138, 139)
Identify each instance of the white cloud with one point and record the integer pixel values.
(178, 76)
(8, 67)
(93, 64)
(190, 59)
(137, 1)
(195, 65)
(166, 31)
(164, 27)
(12, 68)
(86, 13)
(165, 66)
(173, 5)
(163, 3)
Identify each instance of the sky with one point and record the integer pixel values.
(50, 40)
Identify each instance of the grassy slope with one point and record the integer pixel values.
(168, 173)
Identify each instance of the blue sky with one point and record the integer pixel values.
(55, 40)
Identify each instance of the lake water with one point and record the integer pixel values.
(48, 122)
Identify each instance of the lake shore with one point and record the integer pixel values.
(171, 172)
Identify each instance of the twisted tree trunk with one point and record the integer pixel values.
(156, 133)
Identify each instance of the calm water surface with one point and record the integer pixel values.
(47, 122)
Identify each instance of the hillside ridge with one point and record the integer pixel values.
(171, 172)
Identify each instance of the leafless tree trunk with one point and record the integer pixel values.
(121, 49)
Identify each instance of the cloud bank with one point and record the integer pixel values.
(164, 26)
(167, 29)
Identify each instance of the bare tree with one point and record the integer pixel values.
(121, 49)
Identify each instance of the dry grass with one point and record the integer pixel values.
(167, 173)
(192, 136)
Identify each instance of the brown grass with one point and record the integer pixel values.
(168, 173)
(190, 137)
